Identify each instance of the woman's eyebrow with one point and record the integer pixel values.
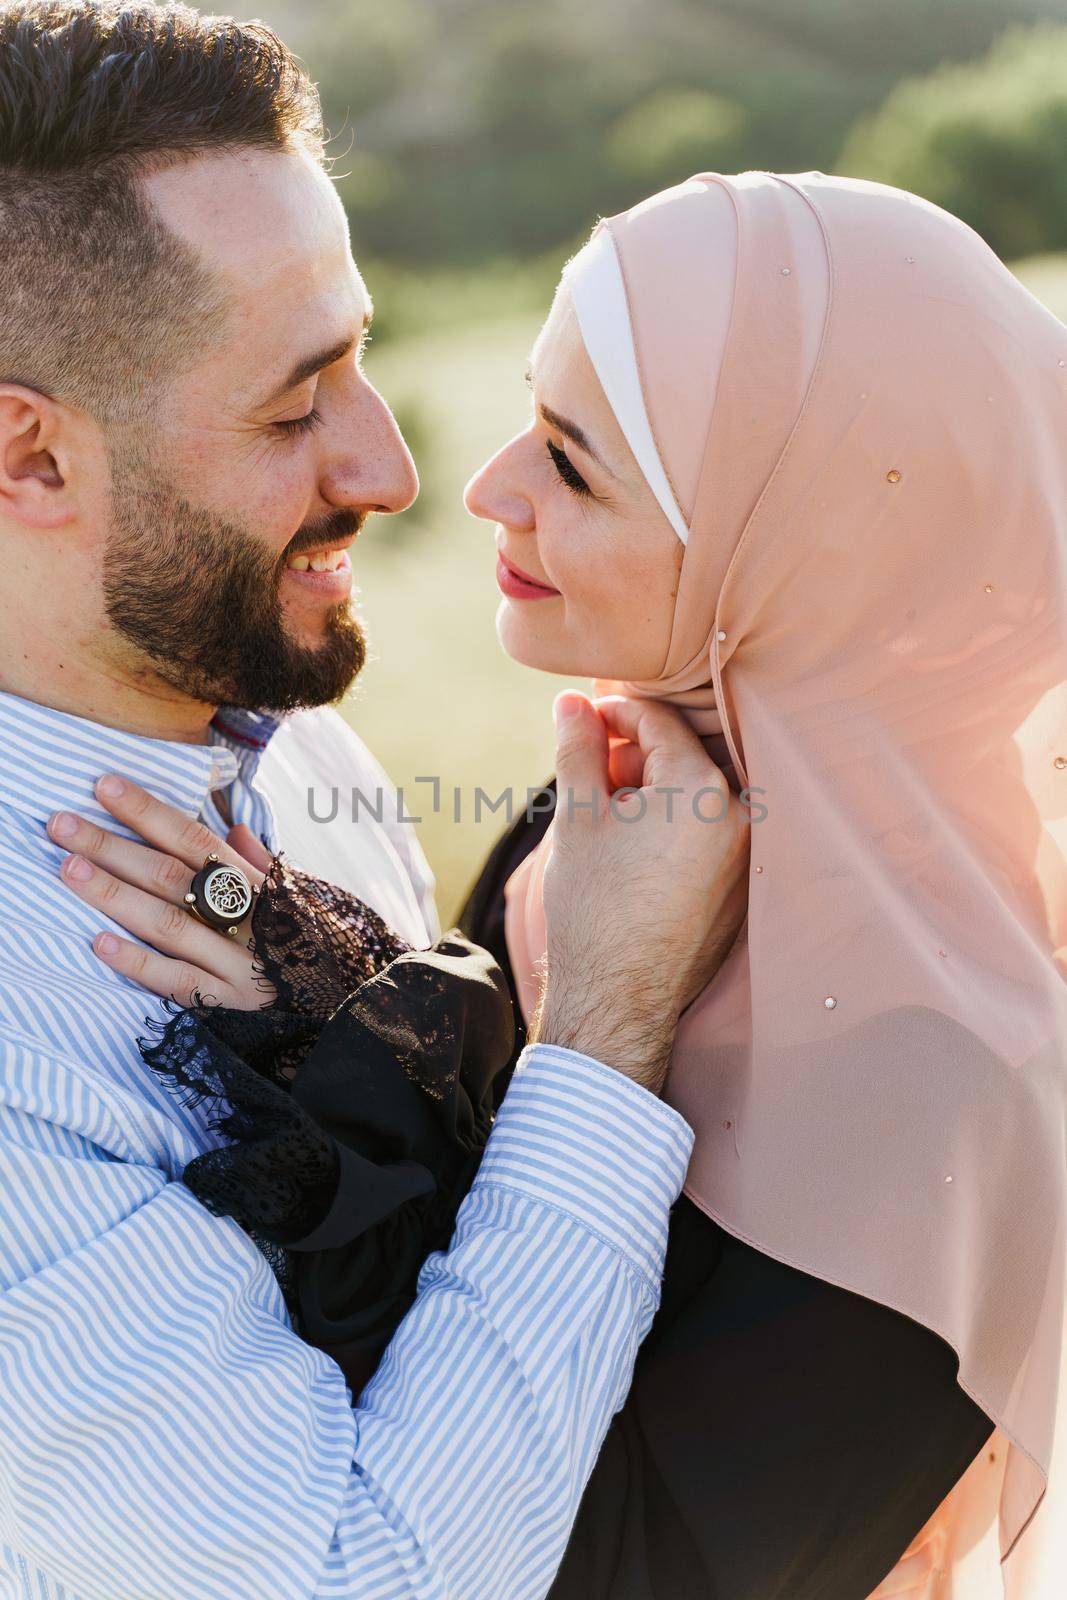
(570, 430)
(578, 436)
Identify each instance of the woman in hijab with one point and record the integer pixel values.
(798, 465)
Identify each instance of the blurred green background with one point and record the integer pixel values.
(476, 143)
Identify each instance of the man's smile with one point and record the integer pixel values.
(325, 574)
(318, 561)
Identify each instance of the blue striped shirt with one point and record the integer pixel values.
(167, 1435)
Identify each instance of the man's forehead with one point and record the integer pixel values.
(218, 193)
(271, 226)
(259, 219)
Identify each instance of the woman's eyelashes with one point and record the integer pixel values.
(568, 471)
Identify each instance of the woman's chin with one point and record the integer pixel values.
(531, 645)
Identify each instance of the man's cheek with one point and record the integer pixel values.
(280, 507)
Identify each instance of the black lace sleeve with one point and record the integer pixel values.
(354, 1105)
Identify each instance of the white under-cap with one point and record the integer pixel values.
(598, 294)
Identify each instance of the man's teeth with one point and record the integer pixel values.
(318, 561)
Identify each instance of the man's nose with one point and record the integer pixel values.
(373, 469)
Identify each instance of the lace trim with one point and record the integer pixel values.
(323, 955)
(315, 942)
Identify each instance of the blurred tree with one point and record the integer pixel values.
(677, 130)
(987, 141)
(487, 128)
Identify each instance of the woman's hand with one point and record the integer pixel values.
(142, 887)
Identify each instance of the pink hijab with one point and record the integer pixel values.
(856, 419)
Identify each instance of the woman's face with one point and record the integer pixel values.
(574, 514)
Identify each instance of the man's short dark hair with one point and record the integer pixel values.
(102, 305)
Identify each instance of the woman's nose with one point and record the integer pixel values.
(494, 495)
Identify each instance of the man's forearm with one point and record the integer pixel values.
(520, 1346)
(632, 1036)
(169, 1434)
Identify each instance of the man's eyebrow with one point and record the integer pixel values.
(307, 366)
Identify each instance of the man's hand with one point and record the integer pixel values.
(644, 894)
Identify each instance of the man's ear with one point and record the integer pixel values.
(35, 454)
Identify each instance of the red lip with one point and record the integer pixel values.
(518, 584)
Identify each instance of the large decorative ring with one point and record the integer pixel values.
(220, 896)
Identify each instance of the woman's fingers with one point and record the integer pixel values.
(174, 980)
(248, 847)
(161, 923)
(142, 887)
(152, 870)
(165, 827)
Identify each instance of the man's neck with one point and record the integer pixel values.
(144, 705)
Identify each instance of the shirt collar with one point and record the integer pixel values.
(49, 760)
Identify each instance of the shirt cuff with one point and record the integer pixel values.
(575, 1134)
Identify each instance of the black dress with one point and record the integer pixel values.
(354, 1106)
(784, 1439)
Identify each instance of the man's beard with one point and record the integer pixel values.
(199, 595)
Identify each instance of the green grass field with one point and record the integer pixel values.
(438, 695)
